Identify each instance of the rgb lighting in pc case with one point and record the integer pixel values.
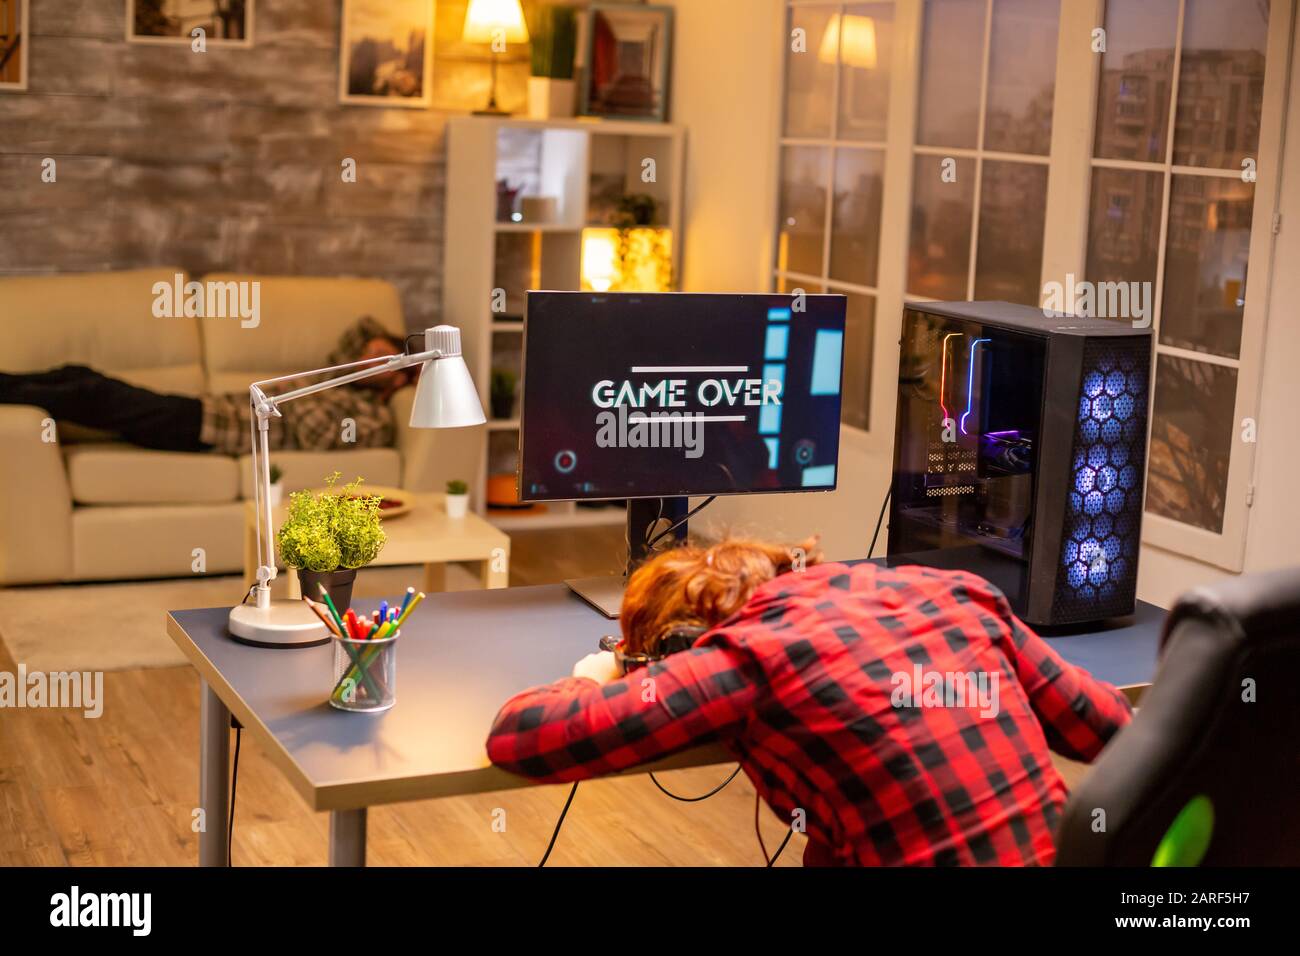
(1020, 454)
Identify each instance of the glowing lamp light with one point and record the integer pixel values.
(487, 21)
(852, 38)
(633, 260)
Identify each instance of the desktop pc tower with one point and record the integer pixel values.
(1020, 454)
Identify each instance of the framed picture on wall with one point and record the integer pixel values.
(223, 22)
(386, 53)
(13, 44)
(625, 72)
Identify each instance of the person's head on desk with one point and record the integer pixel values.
(893, 715)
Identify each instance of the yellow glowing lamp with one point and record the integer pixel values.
(488, 21)
(853, 38)
(639, 259)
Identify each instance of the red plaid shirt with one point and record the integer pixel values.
(808, 685)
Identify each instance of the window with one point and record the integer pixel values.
(1180, 99)
(983, 134)
(832, 159)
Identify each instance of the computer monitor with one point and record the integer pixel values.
(652, 395)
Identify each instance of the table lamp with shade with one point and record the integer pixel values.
(445, 397)
(849, 39)
(497, 22)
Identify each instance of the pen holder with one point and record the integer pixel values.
(365, 674)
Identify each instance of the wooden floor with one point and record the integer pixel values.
(122, 789)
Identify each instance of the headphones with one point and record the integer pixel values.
(675, 641)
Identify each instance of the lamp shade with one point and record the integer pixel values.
(486, 20)
(853, 38)
(445, 396)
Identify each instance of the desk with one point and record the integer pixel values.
(460, 657)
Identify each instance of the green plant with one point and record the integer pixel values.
(329, 530)
(554, 41)
(457, 487)
(635, 209)
(276, 474)
(503, 384)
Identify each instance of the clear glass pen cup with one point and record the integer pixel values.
(365, 674)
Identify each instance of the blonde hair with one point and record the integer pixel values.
(701, 587)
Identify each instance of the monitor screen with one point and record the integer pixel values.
(639, 395)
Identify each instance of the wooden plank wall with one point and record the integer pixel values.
(229, 160)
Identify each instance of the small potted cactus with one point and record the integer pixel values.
(328, 535)
(457, 499)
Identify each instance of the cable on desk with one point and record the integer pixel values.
(879, 521)
(680, 521)
(558, 823)
(717, 789)
(234, 784)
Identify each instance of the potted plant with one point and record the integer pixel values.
(277, 486)
(328, 535)
(502, 393)
(457, 498)
(551, 89)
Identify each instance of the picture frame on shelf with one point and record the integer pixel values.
(14, 35)
(223, 22)
(627, 55)
(386, 53)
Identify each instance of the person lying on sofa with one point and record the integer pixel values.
(81, 395)
(818, 681)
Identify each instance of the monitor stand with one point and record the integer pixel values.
(646, 517)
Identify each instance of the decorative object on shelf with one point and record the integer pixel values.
(502, 393)
(328, 535)
(222, 22)
(537, 209)
(457, 498)
(386, 53)
(445, 397)
(632, 255)
(626, 71)
(506, 196)
(277, 486)
(13, 44)
(503, 492)
(498, 23)
(551, 88)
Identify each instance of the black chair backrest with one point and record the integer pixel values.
(1220, 723)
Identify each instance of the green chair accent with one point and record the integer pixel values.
(1188, 838)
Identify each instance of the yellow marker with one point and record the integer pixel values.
(415, 601)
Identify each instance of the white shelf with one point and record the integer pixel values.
(503, 425)
(508, 325)
(554, 518)
(536, 227)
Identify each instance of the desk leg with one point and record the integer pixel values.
(348, 837)
(214, 777)
(495, 572)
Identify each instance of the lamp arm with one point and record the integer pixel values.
(267, 406)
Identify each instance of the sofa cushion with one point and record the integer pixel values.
(308, 469)
(153, 541)
(118, 474)
(102, 319)
(299, 323)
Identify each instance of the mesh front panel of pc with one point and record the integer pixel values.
(1020, 454)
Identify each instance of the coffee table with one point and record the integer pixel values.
(424, 535)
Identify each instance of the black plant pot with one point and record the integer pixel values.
(337, 583)
(503, 406)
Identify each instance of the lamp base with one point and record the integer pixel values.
(491, 111)
(282, 624)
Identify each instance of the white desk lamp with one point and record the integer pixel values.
(445, 397)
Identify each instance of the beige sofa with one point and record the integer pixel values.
(86, 507)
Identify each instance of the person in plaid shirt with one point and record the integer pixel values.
(808, 677)
(221, 422)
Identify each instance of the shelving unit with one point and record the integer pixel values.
(572, 172)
